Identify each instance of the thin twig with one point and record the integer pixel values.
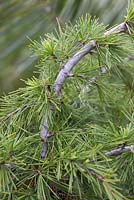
(93, 80)
(119, 151)
(15, 112)
(46, 134)
(91, 172)
(114, 152)
(9, 115)
(99, 177)
(67, 68)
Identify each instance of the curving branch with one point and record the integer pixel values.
(65, 72)
(67, 68)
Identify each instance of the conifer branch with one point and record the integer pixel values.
(67, 68)
(119, 151)
(65, 72)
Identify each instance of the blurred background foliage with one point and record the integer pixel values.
(23, 19)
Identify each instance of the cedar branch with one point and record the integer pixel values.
(67, 68)
(65, 73)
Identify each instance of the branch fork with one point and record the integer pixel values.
(88, 48)
(66, 72)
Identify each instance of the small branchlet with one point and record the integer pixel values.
(93, 80)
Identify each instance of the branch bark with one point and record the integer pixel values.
(123, 27)
(44, 134)
(67, 68)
